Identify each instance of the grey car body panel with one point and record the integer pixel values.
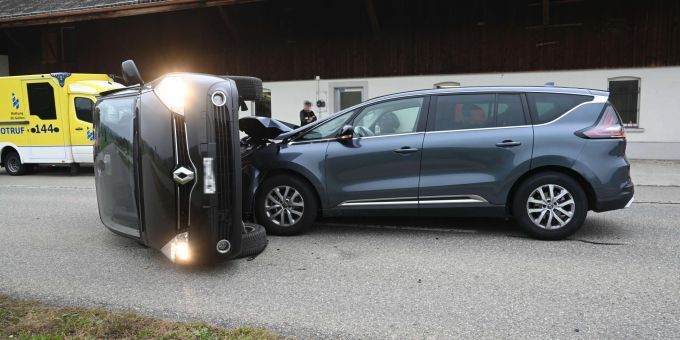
(468, 162)
(305, 159)
(457, 169)
(554, 147)
(369, 168)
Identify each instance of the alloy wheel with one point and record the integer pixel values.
(284, 206)
(551, 206)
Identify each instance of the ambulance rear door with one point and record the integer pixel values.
(46, 122)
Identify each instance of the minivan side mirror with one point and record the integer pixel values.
(131, 74)
(346, 133)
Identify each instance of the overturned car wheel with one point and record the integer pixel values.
(254, 240)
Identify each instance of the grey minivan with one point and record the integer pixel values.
(544, 155)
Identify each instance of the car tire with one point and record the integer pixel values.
(249, 88)
(549, 217)
(13, 164)
(254, 240)
(75, 169)
(299, 203)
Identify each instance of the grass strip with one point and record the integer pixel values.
(32, 320)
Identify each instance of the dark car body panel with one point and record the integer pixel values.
(165, 141)
(156, 160)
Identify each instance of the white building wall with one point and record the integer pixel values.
(657, 138)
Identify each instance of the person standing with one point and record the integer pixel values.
(306, 114)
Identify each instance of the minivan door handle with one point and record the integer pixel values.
(405, 150)
(508, 144)
(79, 129)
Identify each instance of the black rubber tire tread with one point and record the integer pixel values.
(249, 88)
(75, 169)
(524, 190)
(254, 240)
(22, 168)
(308, 195)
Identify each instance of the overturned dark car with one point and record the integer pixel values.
(168, 165)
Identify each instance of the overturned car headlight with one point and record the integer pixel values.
(172, 91)
(177, 250)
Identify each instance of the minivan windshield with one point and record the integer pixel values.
(327, 129)
(301, 130)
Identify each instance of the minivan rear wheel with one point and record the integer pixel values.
(285, 205)
(550, 206)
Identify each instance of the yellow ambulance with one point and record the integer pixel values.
(47, 119)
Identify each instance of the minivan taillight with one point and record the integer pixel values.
(608, 126)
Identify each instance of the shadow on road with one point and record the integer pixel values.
(61, 171)
(488, 226)
(597, 229)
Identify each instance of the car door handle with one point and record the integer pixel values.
(79, 129)
(405, 150)
(508, 144)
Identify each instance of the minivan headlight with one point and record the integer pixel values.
(177, 250)
(172, 91)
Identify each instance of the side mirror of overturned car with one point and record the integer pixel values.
(131, 75)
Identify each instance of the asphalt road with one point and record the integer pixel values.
(619, 277)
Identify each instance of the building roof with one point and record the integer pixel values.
(22, 8)
(26, 13)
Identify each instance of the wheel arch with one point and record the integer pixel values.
(6, 149)
(587, 187)
(275, 172)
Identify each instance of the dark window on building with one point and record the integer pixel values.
(509, 110)
(263, 108)
(41, 100)
(464, 111)
(50, 46)
(68, 44)
(625, 95)
(547, 107)
(58, 45)
(84, 108)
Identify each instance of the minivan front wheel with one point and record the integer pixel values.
(550, 206)
(285, 205)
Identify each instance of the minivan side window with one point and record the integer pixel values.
(41, 100)
(546, 107)
(509, 110)
(84, 108)
(389, 118)
(464, 111)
